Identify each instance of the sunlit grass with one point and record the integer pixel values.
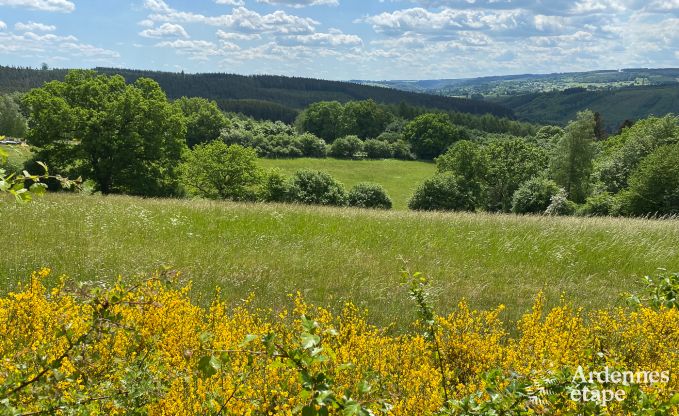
(332, 255)
(399, 178)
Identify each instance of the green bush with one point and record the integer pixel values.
(369, 195)
(312, 146)
(441, 193)
(216, 170)
(346, 147)
(654, 186)
(316, 187)
(401, 150)
(377, 149)
(276, 186)
(534, 196)
(560, 205)
(598, 205)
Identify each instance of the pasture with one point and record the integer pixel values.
(332, 255)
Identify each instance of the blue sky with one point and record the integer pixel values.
(343, 39)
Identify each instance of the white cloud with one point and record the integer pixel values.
(45, 46)
(34, 27)
(240, 19)
(2, 25)
(65, 6)
(165, 30)
(300, 3)
(231, 2)
(229, 36)
(333, 38)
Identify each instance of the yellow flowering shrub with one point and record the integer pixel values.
(146, 349)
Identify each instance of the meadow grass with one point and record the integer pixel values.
(332, 255)
(399, 178)
(16, 155)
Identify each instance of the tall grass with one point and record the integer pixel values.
(399, 178)
(333, 255)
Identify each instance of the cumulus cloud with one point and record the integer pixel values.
(231, 2)
(240, 19)
(300, 3)
(65, 6)
(165, 30)
(2, 25)
(34, 27)
(333, 38)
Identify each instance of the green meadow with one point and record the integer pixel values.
(399, 178)
(333, 255)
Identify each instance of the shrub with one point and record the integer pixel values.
(278, 145)
(369, 195)
(216, 170)
(654, 186)
(276, 186)
(441, 193)
(391, 137)
(534, 196)
(316, 187)
(598, 205)
(560, 205)
(377, 149)
(346, 147)
(401, 150)
(312, 146)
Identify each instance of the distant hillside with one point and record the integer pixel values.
(262, 96)
(615, 106)
(531, 83)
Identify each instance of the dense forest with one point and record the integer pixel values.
(615, 106)
(261, 96)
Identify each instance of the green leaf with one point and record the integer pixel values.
(309, 411)
(309, 341)
(209, 365)
(249, 339)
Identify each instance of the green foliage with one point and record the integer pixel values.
(430, 135)
(560, 204)
(548, 137)
(654, 186)
(316, 188)
(369, 195)
(216, 170)
(12, 122)
(401, 150)
(534, 196)
(442, 192)
(571, 162)
(127, 138)
(661, 291)
(598, 205)
(204, 120)
(312, 146)
(273, 139)
(377, 149)
(276, 186)
(365, 119)
(623, 153)
(348, 147)
(322, 119)
(511, 162)
(469, 162)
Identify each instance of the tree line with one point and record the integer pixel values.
(130, 138)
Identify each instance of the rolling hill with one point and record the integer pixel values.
(260, 95)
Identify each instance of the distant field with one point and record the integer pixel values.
(17, 154)
(333, 255)
(399, 178)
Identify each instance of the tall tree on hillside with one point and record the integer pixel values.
(571, 163)
(126, 138)
(204, 120)
(364, 119)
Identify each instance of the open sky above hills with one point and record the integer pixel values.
(343, 39)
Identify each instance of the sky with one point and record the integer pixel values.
(343, 39)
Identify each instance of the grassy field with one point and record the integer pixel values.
(399, 178)
(17, 154)
(333, 255)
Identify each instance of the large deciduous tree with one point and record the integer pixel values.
(431, 134)
(204, 119)
(127, 138)
(322, 119)
(12, 122)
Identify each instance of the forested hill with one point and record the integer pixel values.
(615, 106)
(262, 96)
